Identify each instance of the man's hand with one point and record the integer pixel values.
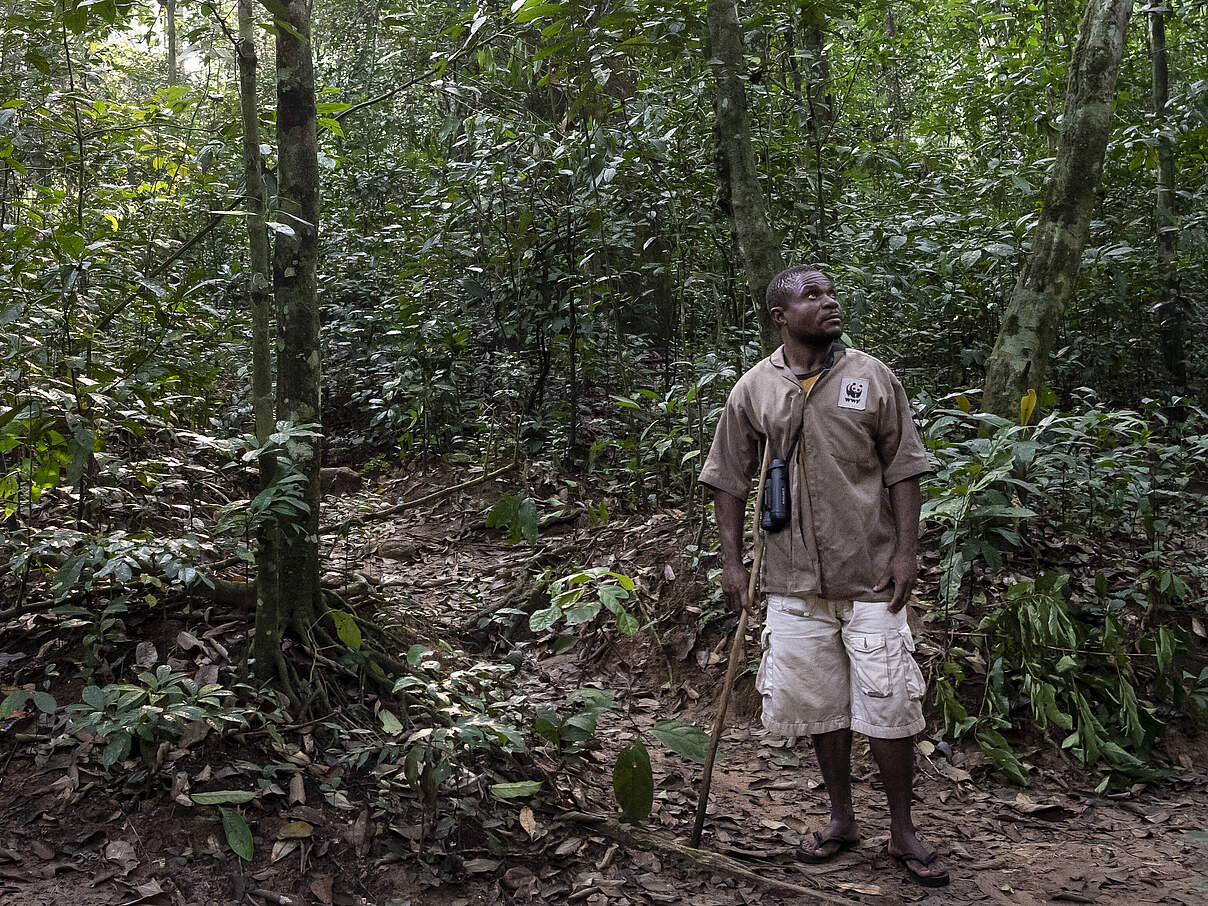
(902, 572)
(735, 582)
(735, 577)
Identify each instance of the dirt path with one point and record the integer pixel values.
(1056, 841)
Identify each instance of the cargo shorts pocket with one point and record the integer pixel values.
(765, 665)
(870, 662)
(916, 688)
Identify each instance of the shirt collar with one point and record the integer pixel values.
(837, 351)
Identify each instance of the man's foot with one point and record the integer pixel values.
(923, 865)
(824, 845)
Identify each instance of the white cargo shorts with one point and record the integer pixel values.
(830, 665)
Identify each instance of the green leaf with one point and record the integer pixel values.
(116, 750)
(223, 797)
(14, 702)
(391, 724)
(503, 513)
(93, 697)
(347, 629)
(238, 834)
(686, 740)
(542, 620)
(416, 653)
(526, 521)
(44, 702)
(999, 754)
(633, 783)
(611, 597)
(628, 623)
(595, 701)
(515, 790)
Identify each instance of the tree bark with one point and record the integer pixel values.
(267, 637)
(1038, 304)
(821, 115)
(294, 287)
(170, 15)
(1172, 312)
(761, 255)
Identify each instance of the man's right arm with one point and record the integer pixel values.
(735, 578)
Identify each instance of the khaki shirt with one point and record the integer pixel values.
(857, 439)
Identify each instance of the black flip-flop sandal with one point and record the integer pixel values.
(804, 855)
(922, 880)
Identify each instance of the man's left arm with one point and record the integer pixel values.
(903, 569)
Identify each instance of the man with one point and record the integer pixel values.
(836, 647)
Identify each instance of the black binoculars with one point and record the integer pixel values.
(775, 508)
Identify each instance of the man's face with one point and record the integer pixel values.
(813, 315)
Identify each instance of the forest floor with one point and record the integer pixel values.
(70, 834)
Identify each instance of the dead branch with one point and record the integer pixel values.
(639, 839)
(409, 504)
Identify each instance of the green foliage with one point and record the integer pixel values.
(633, 783)
(1069, 669)
(19, 698)
(156, 708)
(238, 834)
(570, 601)
(686, 740)
(570, 732)
(518, 515)
(515, 790)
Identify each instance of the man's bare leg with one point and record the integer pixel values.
(834, 758)
(895, 759)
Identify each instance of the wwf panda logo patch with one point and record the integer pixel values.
(853, 394)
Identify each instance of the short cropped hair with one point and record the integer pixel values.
(789, 283)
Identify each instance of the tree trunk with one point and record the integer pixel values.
(1172, 312)
(267, 638)
(821, 115)
(1038, 304)
(761, 255)
(294, 287)
(170, 15)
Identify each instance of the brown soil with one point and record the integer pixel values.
(70, 836)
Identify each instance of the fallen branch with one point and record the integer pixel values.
(640, 839)
(409, 504)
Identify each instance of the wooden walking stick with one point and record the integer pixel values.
(719, 724)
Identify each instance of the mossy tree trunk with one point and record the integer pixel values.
(267, 638)
(740, 189)
(1038, 304)
(1171, 308)
(295, 250)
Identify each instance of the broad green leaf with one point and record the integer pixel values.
(93, 697)
(238, 834)
(116, 750)
(223, 797)
(628, 623)
(44, 702)
(542, 620)
(686, 740)
(347, 629)
(390, 723)
(416, 653)
(611, 597)
(515, 790)
(526, 520)
(633, 783)
(13, 702)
